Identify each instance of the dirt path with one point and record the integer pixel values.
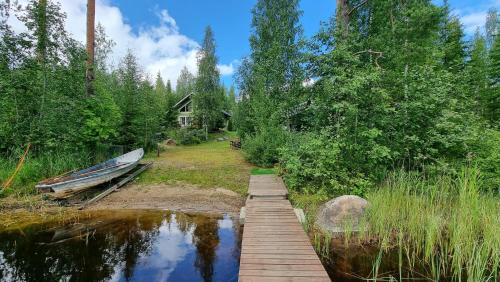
(179, 197)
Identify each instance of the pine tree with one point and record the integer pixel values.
(207, 103)
(492, 101)
(478, 72)
(231, 99)
(451, 37)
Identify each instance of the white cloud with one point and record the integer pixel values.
(473, 21)
(475, 17)
(227, 69)
(160, 47)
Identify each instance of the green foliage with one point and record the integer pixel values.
(263, 171)
(208, 99)
(185, 83)
(313, 164)
(387, 93)
(43, 96)
(442, 221)
(40, 167)
(189, 136)
(262, 148)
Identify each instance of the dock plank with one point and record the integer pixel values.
(275, 246)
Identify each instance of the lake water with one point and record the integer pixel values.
(125, 246)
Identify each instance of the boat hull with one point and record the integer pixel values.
(90, 177)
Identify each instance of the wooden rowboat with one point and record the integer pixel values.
(74, 182)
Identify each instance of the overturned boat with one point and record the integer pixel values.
(74, 182)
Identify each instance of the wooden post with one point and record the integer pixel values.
(89, 77)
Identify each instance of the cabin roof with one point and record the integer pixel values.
(183, 101)
(186, 99)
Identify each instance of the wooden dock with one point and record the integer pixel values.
(275, 246)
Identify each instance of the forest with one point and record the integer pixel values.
(390, 100)
(45, 102)
(410, 92)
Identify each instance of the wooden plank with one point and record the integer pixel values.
(257, 266)
(249, 278)
(280, 261)
(275, 246)
(280, 256)
(116, 186)
(284, 273)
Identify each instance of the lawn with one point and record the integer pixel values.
(208, 165)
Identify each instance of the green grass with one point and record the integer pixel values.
(443, 223)
(262, 171)
(208, 165)
(36, 169)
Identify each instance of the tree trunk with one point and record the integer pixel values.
(342, 17)
(90, 46)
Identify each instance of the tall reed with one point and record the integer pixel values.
(445, 223)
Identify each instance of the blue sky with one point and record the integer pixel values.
(230, 19)
(165, 34)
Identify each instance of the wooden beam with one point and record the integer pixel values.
(89, 77)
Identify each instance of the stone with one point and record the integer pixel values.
(243, 214)
(300, 215)
(341, 212)
(220, 139)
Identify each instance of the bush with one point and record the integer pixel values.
(312, 163)
(188, 136)
(262, 148)
(486, 154)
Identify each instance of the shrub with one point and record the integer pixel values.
(312, 163)
(189, 136)
(262, 148)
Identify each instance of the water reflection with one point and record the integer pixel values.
(125, 246)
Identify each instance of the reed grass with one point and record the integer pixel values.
(36, 169)
(444, 223)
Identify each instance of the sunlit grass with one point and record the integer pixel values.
(263, 171)
(208, 165)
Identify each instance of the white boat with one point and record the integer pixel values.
(73, 182)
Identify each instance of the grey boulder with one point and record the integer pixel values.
(341, 213)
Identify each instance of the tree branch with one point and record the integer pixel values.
(370, 51)
(357, 7)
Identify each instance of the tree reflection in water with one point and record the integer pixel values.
(124, 246)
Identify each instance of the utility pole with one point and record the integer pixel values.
(89, 76)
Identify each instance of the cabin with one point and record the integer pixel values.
(185, 108)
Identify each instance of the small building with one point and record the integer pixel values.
(185, 108)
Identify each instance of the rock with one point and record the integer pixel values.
(220, 139)
(341, 212)
(300, 215)
(243, 214)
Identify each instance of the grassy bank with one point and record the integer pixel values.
(444, 223)
(441, 227)
(37, 168)
(208, 165)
